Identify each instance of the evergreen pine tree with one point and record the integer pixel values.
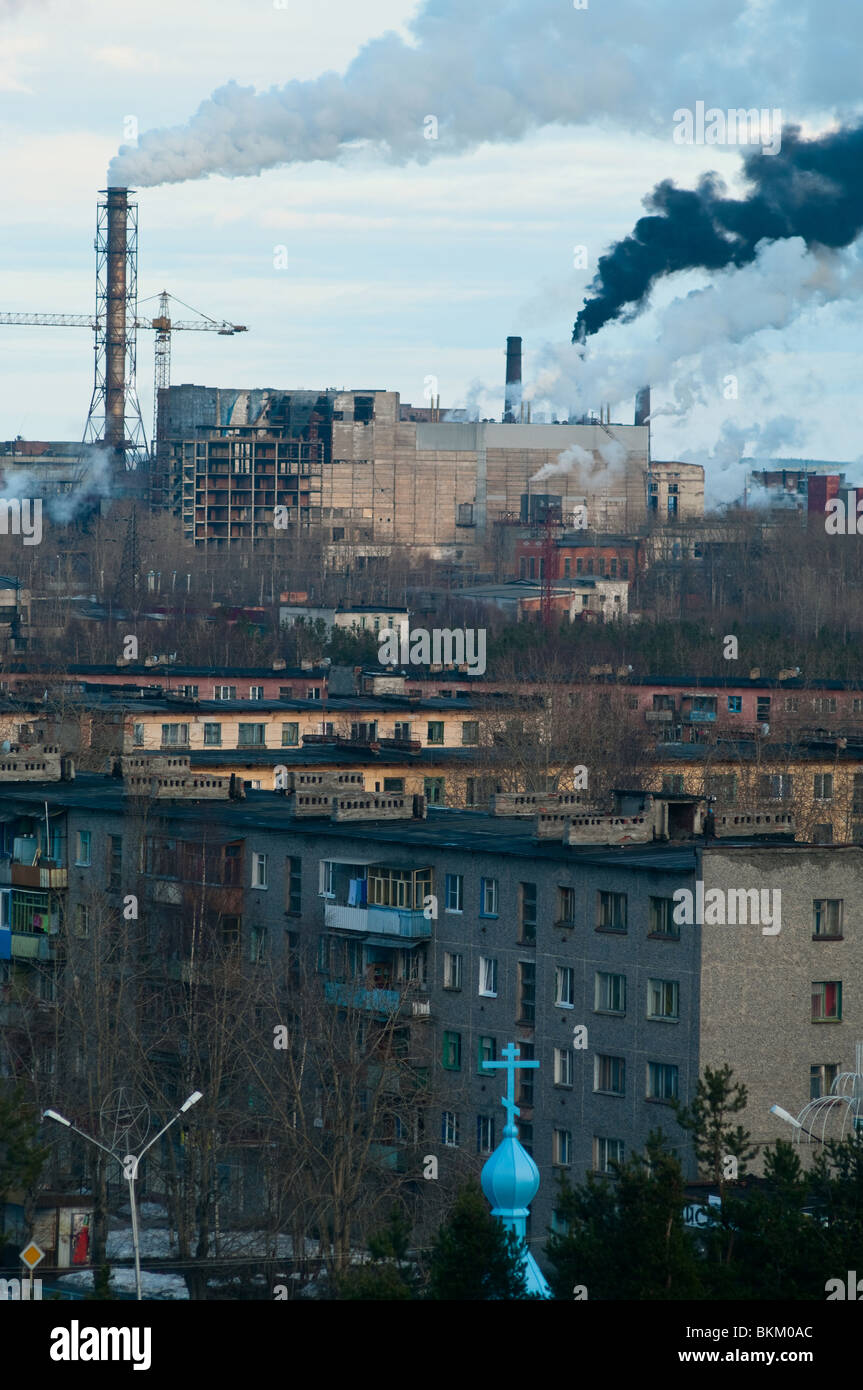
(474, 1256)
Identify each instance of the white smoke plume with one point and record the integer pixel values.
(499, 69)
(588, 473)
(93, 481)
(725, 464)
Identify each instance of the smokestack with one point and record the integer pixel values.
(115, 317)
(512, 399)
(642, 406)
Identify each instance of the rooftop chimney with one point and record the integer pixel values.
(512, 399)
(115, 317)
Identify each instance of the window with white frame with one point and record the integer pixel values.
(609, 993)
(488, 897)
(327, 876)
(609, 1075)
(822, 789)
(175, 735)
(256, 692)
(827, 916)
(454, 892)
(488, 976)
(563, 1066)
(562, 1148)
(605, 1153)
(259, 870)
(663, 999)
(224, 692)
(449, 1129)
(661, 1081)
(484, 1134)
(564, 986)
(452, 969)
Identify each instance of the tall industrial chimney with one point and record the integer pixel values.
(642, 406)
(115, 317)
(512, 399)
(115, 415)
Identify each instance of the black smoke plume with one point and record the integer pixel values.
(811, 189)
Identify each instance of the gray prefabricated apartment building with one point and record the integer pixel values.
(532, 941)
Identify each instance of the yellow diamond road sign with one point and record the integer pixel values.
(32, 1255)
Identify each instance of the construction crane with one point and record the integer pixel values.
(163, 325)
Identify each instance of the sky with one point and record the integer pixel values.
(410, 260)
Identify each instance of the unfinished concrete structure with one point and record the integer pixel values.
(346, 465)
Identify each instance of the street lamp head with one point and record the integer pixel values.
(782, 1114)
(193, 1100)
(52, 1115)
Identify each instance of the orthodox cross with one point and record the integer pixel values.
(510, 1065)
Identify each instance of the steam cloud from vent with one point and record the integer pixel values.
(811, 189)
(94, 479)
(590, 474)
(497, 70)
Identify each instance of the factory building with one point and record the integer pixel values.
(347, 466)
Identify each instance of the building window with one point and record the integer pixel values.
(611, 912)
(435, 732)
(792, 704)
(256, 692)
(564, 986)
(290, 734)
(525, 1077)
(525, 1138)
(826, 1000)
(364, 731)
(661, 917)
(484, 1134)
(395, 785)
(231, 930)
(722, 786)
(83, 848)
(565, 907)
(663, 999)
(451, 1058)
(567, 567)
(488, 976)
(609, 993)
(563, 1066)
(138, 735)
(252, 736)
(402, 730)
(434, 790)
(454, 892)
(293, 885)
(673, 782)
(82, 919)
(212, 735)
(661, 1081)
(823, 786)
(606, 1152)
(115, 862)
(224, 692)
(258, 945)
(452, 969)
(526, 1009)
(527, 913)
(486, 1051)
(562, 1148)
(825, 704)
(449, 1129)
(762, 707)
(470, 732)
(827, 916)
(609, 1075)
(488, 897)
(821, 1078)
(259, 871)
(175, 735)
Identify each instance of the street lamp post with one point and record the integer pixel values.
(129, 1164)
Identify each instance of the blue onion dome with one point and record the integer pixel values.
(510, 1178)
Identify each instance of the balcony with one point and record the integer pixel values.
(384, 1001)
(32, 875)
(659, 716)
(380, 921)
(32, 945)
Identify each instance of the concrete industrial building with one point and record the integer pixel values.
(346, 466)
